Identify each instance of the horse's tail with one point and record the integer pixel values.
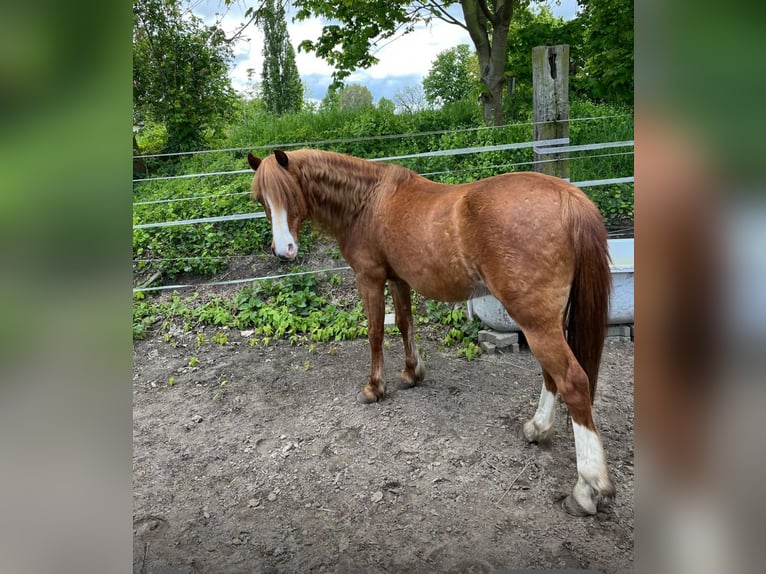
(588, 305)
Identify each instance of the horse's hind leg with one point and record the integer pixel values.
(593, 482)
(540, 427)
(414, 371)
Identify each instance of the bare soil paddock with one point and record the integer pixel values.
(260, 460)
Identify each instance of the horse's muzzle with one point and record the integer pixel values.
(290, 255)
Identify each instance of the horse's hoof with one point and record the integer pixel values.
(571, 506)
(364, 399)
(607, 496)
(535, 435)
(403, 384)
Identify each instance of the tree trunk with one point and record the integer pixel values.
(491, 52)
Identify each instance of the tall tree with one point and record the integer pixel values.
(410, 99)
(354, 97)
(363, 25)
(281, 86)
(180, 72)
(453, 76)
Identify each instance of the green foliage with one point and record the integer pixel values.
(537, 26)
(454, 76)
(213, 312)
(200, 249)
(281, 87)
(144, 315)
(614, 201)
(152, 137)
(220, 337)
(386, 105)
(461, 332)
(180, 73)
(608, 47)
(292, 309)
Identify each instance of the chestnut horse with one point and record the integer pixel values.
(536, 242)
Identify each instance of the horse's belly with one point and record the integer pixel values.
(442, 287)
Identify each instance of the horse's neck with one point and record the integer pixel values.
(341, 190)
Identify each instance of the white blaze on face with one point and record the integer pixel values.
(285, 244)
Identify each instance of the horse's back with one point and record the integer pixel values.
(518, 213)
(446, 240)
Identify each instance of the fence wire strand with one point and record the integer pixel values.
(237, 281)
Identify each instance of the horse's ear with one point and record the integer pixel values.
(281, 157)
(253, 161)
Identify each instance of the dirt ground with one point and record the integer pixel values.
(260, 460)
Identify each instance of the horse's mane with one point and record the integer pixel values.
(333, 189)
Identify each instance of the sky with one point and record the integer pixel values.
(402, 62)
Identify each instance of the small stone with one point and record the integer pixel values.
(500, 340)
(618, 332)
(487, 347)
(503, 340)
(253, 502)
(272, 496)
(376, 496)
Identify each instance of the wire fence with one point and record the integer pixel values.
(542, 147)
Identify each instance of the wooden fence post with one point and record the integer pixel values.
(550, 101)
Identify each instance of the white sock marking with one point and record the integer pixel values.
(546, 410)
(591, 462)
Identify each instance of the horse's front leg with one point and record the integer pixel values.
(371, 290)
(413, 372)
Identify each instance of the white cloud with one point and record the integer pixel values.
(307, 62)
(402, 62)
(413, 53)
